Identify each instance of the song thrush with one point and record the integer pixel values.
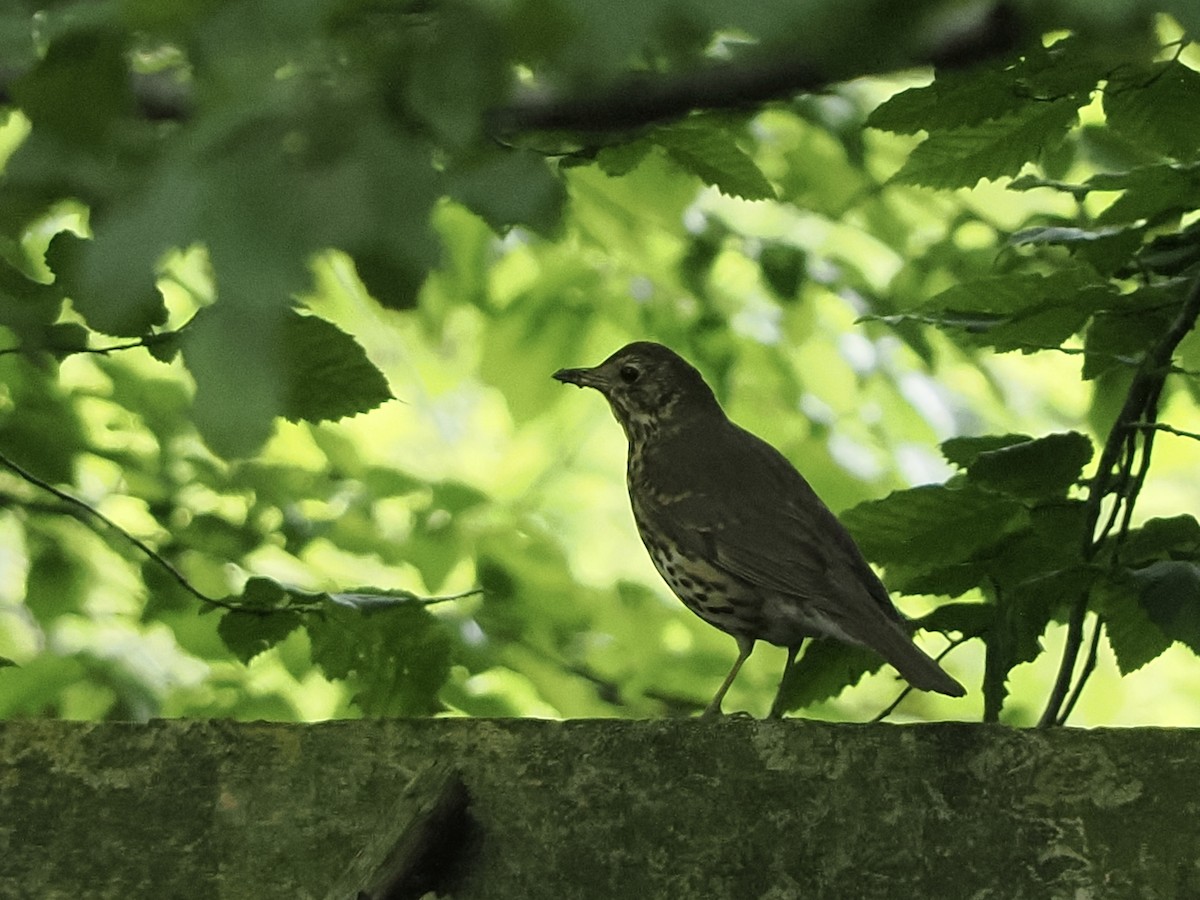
(736, 531)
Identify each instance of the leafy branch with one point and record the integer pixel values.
(150, 341)
(94, 514)
(638, 99)
(261, 596)
(1120, 472)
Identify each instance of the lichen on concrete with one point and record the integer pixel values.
(597, 809)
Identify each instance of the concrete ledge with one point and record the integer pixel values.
(604, 809)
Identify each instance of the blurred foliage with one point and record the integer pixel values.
(282, 285)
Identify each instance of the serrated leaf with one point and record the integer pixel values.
(262, 593)
(1042, 468)
(327, 374)
(397, 658)
(1064, 235)
(79, 86)
(931, 525)
(951, 100)
(1159, 107)
(1106, 249)
(371, 599)
(1169, 591)
(962, 157)
(1006, 294)
(710, 152)
(1032, 181)
(1119, 338)
(1134, 638)
(1155, 193)
(234, 352)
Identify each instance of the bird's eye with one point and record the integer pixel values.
(629, 374)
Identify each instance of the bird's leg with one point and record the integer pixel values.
(777, 706)
(745, 647)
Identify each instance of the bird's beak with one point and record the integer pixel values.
(581, 377)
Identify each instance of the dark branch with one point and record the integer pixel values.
(638, 99)
(644, 99)
(1114, 473)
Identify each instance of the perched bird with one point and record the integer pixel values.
(736, 531)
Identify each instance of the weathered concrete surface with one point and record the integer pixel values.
(606, 809)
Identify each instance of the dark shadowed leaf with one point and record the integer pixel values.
(249, 634)
(711, 153)
(327, 374)
(824, 670)
(1042, 468)
(1170, 593)
(1134, 637)
(963, 451)
(932, 524)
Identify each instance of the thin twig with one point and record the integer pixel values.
(1158, 426)
(147, 341)
(76, 504)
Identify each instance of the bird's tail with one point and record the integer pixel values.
(917, 668)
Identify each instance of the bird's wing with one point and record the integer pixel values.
(735, 500)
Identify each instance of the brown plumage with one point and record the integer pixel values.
(736, 531)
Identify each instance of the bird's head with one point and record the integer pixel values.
(647, 386)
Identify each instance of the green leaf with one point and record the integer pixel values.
(710, 152)
(621, 159)
(511, 188)
(1153, 192)
(112, 289)
(1042, 468)
(962, 451)
(235, 354)
(1169, 591)
(1000, 294)
(1025, 312)
(1158, 538)
(783, 267)
(1106, 249)
(1159, 107)
(397, 658)
(248, 634)
(326, 372)
(80, 85)
(1186, 13)
(824, 670)
(931, 525)
(969, 619)
(1134, 638)
(990, 150)
(952, 100)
